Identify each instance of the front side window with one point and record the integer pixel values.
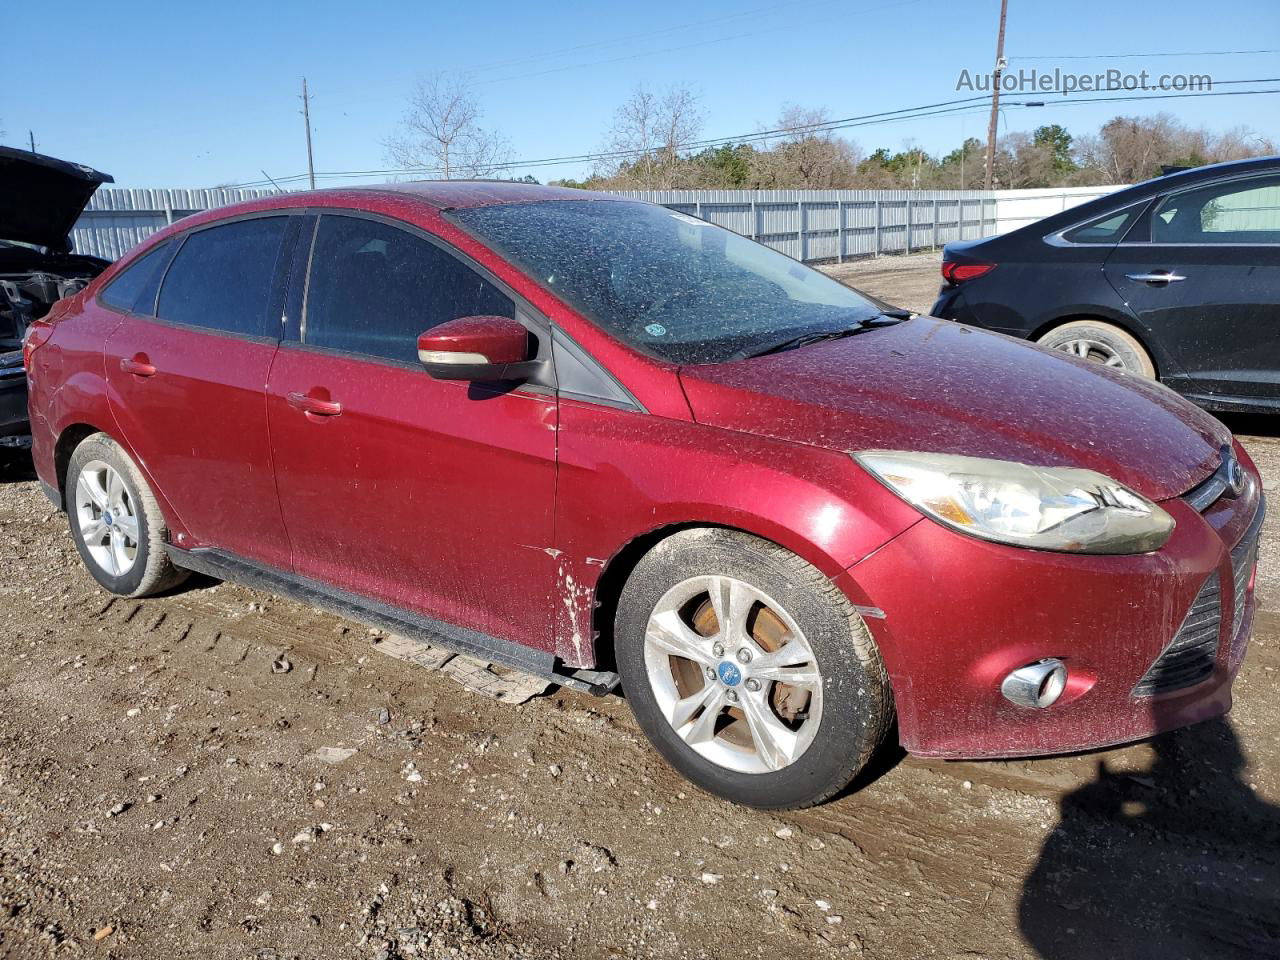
(1241, 211)
(677, 288)
(222, 278)
(134, 289)
(375, 287)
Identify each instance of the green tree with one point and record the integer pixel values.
(1057, 141)
(727, 166)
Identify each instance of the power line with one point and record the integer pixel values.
(948, 107)
(757, 136)
(1134, 56)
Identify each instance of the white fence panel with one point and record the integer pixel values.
(805, 224)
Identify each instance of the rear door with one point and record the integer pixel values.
(437, 497)
(188, 385)
(1202, 276)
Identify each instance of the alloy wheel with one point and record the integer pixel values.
(733, 674)
(108, 518)
(1095, 351)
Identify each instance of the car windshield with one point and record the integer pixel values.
(677, 288)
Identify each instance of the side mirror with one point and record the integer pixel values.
(477, 348)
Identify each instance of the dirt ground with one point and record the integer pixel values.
(911, 281)
(170, 787)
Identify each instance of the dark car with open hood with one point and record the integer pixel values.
(40, 200)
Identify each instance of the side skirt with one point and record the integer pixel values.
(437, 633)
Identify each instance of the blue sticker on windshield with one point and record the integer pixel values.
(655, 329)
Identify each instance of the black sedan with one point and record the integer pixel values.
(1176, 278)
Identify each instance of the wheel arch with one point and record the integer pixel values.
(73, 434)
(618, 568)
(70, 437)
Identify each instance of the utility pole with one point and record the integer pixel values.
(306, 114)
(31, 135)
(995, 98)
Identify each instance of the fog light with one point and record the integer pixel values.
(1036, 685)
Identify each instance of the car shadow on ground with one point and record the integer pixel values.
(1251, 424)
(1178, 861)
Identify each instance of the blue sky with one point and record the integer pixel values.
(170, 94)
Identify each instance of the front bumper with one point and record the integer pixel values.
(960, 614)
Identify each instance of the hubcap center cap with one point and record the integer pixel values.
(106, 518)
(729, 673)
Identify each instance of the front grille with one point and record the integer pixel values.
(1190, 657)
(1243, 560)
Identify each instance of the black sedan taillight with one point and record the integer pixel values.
(956, 273)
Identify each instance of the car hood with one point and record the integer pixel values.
(42, 197)
(935, 386)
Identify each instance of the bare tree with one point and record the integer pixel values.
(804, 154)
(1128, 149)
(442, 132)
(647, 138)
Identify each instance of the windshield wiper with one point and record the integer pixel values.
(885, 318)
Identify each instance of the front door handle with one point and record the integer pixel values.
(321, 408)
(138, 365)
(1163, 276)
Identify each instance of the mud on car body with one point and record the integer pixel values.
(607, 443)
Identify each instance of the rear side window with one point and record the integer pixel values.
(135, 288)
(1110, 228)
(222, 278)
(374, 288)
(1235, 212)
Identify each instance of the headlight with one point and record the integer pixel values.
(1049, 508)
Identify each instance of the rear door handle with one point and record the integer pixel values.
(1164, 276)
(321, 408)
(139, 366)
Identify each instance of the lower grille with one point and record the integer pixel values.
(1191, 656)
(1243, 559)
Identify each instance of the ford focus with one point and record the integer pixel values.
(607, 443)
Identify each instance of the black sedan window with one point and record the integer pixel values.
(1240, 211)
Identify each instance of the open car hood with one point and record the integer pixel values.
(42, 197)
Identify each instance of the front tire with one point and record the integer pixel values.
(779, 708)
(1099, 342)
(115, 521)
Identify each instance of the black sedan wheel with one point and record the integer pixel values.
(1100, 342)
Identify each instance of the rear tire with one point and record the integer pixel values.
(115, 521)
(780, 710)
(1100, 342)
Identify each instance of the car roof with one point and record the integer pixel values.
(1137, 193)
(460, 194)
(1213, 171)
(395, 199)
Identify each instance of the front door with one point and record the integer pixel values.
(1204, 282)
(188, 386)
(434, 496)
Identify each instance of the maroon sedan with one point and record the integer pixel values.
(598, 441)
